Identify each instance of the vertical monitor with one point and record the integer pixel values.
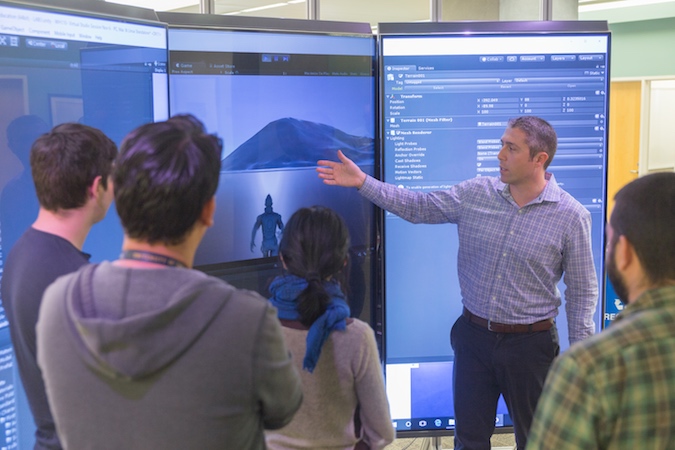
(446, 97)
(61, 66)
(280, 101)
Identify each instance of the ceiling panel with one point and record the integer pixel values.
(370, 11)
(374, 11)
(287, 11)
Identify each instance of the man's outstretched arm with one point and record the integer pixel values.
(344, 173)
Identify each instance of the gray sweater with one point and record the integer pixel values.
(162, 359)
(347, 374)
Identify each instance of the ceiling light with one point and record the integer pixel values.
(619, 4)
(260, 8)
(164, 5)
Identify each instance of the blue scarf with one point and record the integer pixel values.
(285, 290)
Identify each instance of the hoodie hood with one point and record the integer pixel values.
(131, 323)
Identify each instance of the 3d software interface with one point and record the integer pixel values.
(60, 68)
(280, 102)
(445, 104)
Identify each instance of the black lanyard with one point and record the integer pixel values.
(140, 255)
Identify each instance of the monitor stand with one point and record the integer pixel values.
(432, 443)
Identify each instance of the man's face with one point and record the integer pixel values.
(613, 273)
(515, 164)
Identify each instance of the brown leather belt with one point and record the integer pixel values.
(496, 327)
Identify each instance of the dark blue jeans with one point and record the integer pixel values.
(488, 364)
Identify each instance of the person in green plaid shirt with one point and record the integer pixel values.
(616, 390)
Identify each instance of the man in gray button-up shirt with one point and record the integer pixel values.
(519, 234)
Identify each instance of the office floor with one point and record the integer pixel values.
(499, 442)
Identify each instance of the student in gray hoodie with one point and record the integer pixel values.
(146, 353)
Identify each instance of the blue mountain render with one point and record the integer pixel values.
(290, 143)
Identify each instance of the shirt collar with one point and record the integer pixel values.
(552, 191)
(653, 298)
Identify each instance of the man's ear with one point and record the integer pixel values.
(624, 254)
(541, 158)
(96, 187)
(208, 212)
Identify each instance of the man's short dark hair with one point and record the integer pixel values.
(540, 136)
(644, 212)
(164, 175)
(65, 161)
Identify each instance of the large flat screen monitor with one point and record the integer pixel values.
(447, 92)
(281, 94)
(58, 65)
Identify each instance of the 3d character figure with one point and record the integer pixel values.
(269, 221)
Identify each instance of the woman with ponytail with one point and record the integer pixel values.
(345, 404)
